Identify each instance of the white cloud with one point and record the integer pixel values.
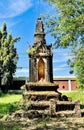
(61, 67)
(23, 70)
(61, 56)
(12, 8)
(59, 60)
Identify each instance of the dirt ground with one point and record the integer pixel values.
(44, 124)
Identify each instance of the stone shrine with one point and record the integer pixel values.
(41, 97)
(40, 60)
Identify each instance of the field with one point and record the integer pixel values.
(79, 95)
(8, 102)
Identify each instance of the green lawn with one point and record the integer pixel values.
(9, 102)
(79, 95)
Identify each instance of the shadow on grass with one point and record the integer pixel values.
(2, 94)
(8, 108)
(9, 126)
(82, 106)
(7, 94)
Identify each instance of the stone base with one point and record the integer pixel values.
(36, 109)
(41, 95)
(42, 86)
(42, 98)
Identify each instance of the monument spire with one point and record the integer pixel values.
(40, 58)
(39, 35)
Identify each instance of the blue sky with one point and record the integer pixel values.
(21, 16)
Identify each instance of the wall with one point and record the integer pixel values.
(66, 84)
(63, 85)
(73, 85)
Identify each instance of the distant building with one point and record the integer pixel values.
(66, 83)
(17, 83)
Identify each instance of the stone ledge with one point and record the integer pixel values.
(41, 86)
(40, 95)
(41, 83)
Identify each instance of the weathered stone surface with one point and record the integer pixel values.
(77, 109)
(44, 123)
(40, 95)
(41, 86)
(40, 57)
(52, 107)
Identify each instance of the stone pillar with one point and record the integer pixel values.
(49, 69)
(52, 107)
(30, 70)
(69, 85)
(77, 109)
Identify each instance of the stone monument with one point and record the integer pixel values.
(41, 95)
(40, 62)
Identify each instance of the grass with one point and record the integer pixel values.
(78, 95)
(8, 103)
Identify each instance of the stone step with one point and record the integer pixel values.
(40, 95)
(45, 86)
(39, 105)
(67, 113)
(42, 113)
(42, 105)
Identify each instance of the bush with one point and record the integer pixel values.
(23, 87)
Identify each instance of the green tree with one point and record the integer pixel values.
(67, 27)
(8, 56)
(77, 65)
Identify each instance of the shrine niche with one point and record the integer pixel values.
(41, 69)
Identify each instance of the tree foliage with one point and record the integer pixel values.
(77, 64)
(8, 56)
(67, 27)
